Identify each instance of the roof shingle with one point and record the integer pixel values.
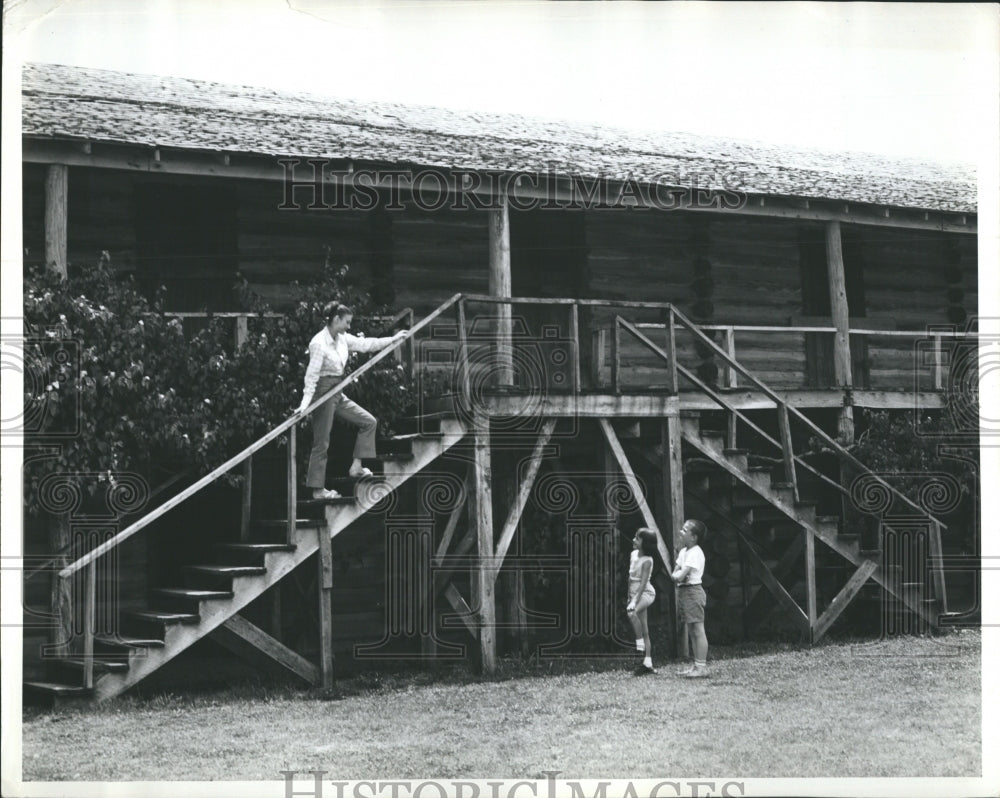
(101, 105)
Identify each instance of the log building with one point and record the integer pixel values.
(670, 321)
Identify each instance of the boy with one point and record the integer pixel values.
(688, 568)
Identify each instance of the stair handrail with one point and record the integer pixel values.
(836, 447)
(260, 443)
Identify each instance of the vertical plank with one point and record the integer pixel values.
(786, 449)
(672, 349)
(241, 331)
(56, 193)
(673, 488)
(810, 558)
(245, 498)
(616, 358)
(89, 601)
(482, 516)
(463, 356)
(841, 321)
(938, 365)
(426, 615)
(292, 486)
(574, 332)
(732, 377)
(937, 566)
(325, 584)
(500, 286)
(600, 342)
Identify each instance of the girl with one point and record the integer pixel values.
(641, 594)
(328, 353)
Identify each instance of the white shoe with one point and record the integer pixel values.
(324, 493)
(361, 473)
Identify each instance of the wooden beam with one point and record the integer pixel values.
(787, 454)
(56, 194)
(843, 598)
(500, 286)
(324, 562)
(481, 520)
(841, 320)
(133, 158)
(615, 447)
(245, 499)
(250, 642)
(775, 587)
(523, 492)
(672, 512)
(465, 612)
(451, 525)
(757, 606)
(810, 563)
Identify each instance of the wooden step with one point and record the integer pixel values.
(389, 457)
(736, 452)
(164, 618)
(313, 503)
(100, 665)
(121, 648)
(254, 554)
(180, 599)
(50, 694)
(226, 570)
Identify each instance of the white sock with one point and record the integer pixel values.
(640, 645)
(699, 663)
(648, 662)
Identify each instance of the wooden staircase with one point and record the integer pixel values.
(213, 593)
(801, 513)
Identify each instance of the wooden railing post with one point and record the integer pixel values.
(89, 610)
(56, 194)
(465, 388)
(672, 349)
(732, 381)
(574, 332)
(293, 488)
(938, 365)
(245, 499)
(937, 566)
(241, 331)
(786, 449)
(615, 358)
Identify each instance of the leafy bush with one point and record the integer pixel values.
(117, 385)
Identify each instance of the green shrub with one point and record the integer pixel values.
(138, 394)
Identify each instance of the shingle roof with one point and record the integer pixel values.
(102, 105)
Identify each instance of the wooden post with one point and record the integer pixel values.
(499, 285)
(810, 579)
(787, 454)
(481, 517)
(463, 357)
(56, 193)
(672, 349)
(89, 600)
(599, 343)
(937, 567)
(841, 321)
(938, 365)
(616, 358)
(241, 331)
(245, 499)
(673, 489)
(325, 585)
(574, 332)
(732, 381)
(292, 486)
(61, 589)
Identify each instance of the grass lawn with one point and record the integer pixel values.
(901, 707)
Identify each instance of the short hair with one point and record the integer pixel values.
(697, 528)
(647, 541)
(334, 310)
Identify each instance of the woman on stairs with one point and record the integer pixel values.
(328, 353)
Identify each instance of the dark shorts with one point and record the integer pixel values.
(691, 603)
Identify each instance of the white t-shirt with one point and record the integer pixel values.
(694, 558)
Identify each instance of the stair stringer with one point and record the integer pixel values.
(213, 613)
(714, 451)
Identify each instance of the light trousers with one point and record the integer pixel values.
(322, 422)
